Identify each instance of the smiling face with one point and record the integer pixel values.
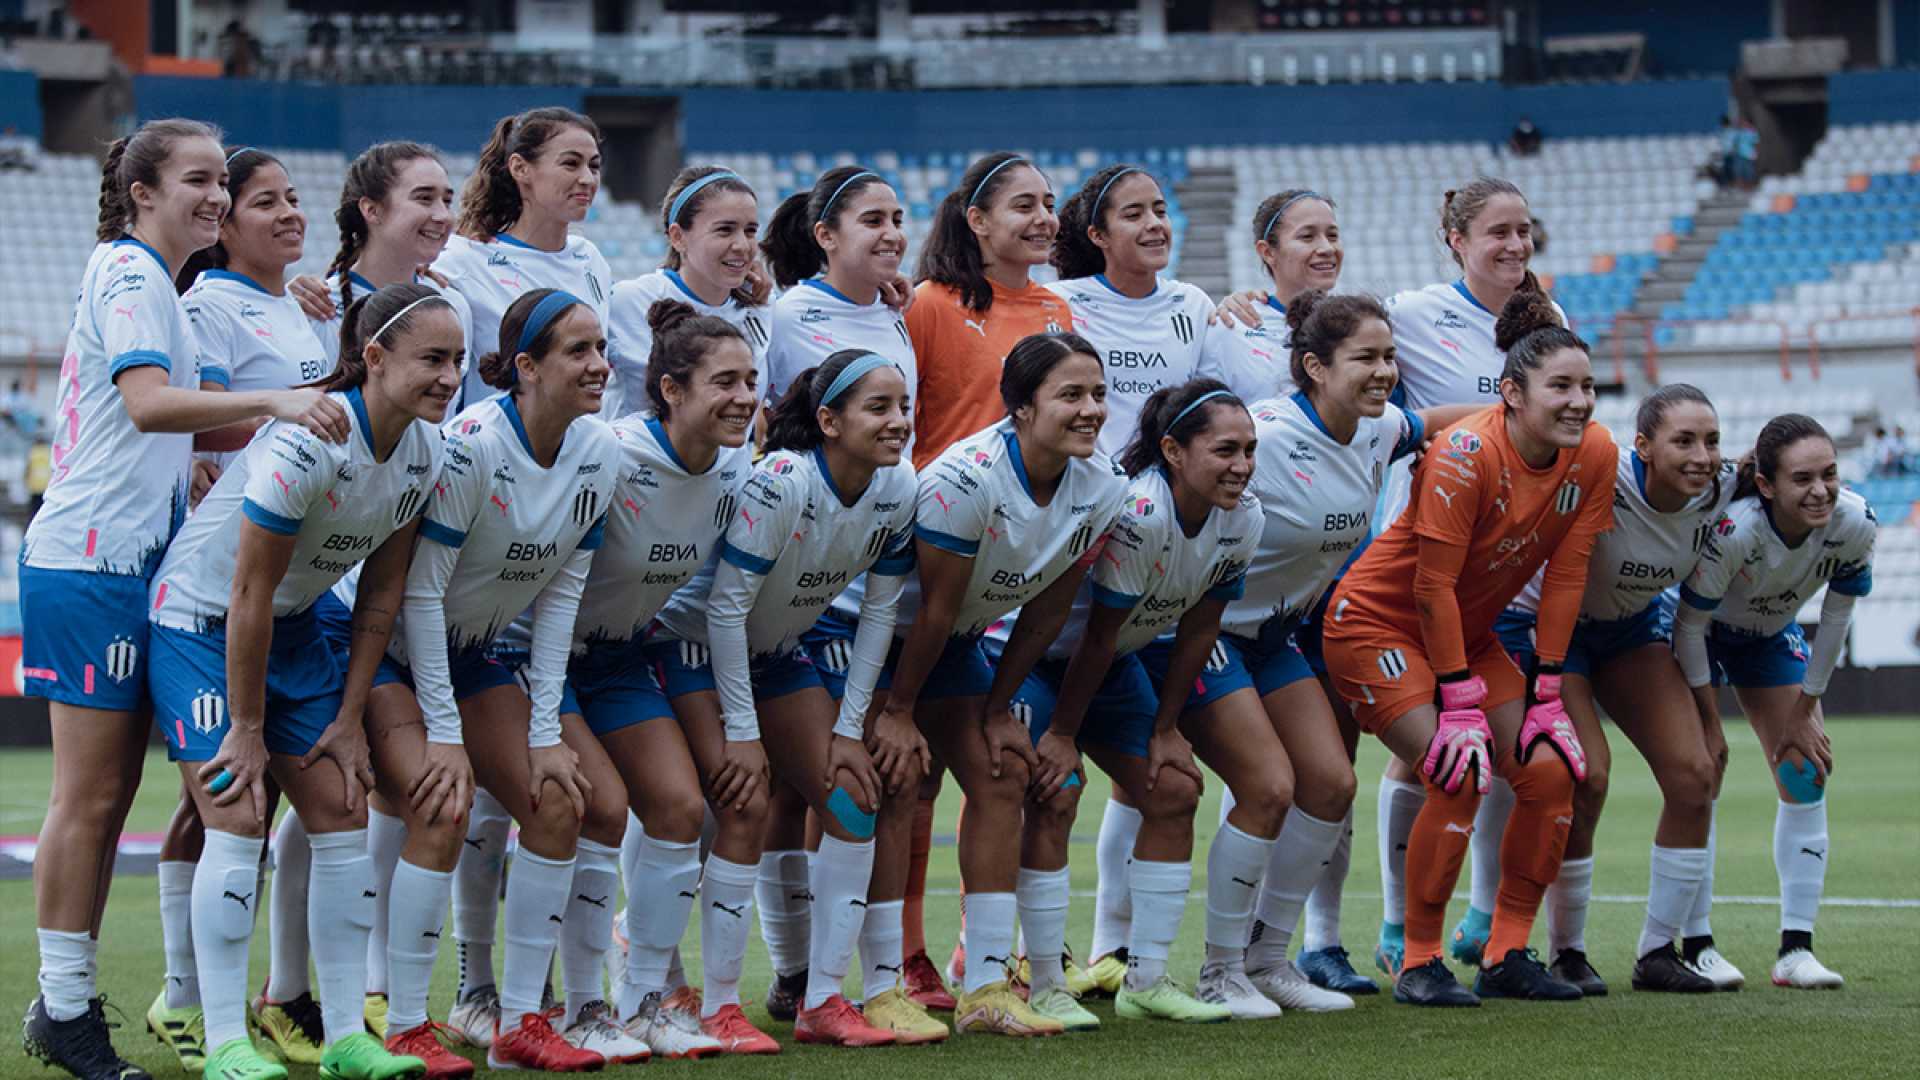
(1218, 461)
(1804, 485)
(1303, 250)
(1019, 226)
(720, 397)
(1557, 401)
(565, 179)
(420, 374)
(418, 209)
(717, 249)
(1683, 454)
(184, 211)
(1364, 371)
(1132, 229)
(1067, 410)
(572, 377)
(266, 226)
(1497, 245)
(866, 242)
(872, 420)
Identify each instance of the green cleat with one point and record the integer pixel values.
(238, 1059)
(183, 1031)
(1064, 1007)
(360, 1056)
(1164, 1000)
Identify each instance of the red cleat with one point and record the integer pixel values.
(923, 985)
(835, 1022)
(535, 1045)
(424, 1043)
(736, 1033)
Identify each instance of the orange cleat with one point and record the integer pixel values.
(535, 1045)
(736, 1033)
(835, 1022)
(424, 1043)
(923, 985)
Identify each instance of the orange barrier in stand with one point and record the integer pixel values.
(1813, 333)
(1650, 359)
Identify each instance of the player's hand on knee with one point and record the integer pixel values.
(1462, 741)
(1547, 722)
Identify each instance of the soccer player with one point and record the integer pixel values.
(1509, 489)
(244, 685)
(1124, 676)
(1790, 530)
(1670, 488)
(1297, 239)
(130, 394)
(831, 500)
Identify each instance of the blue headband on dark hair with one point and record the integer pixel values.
(1093, 215)
(544, 312)
(1196, 403)
(1275, 219)
(982, 185)
(856, 369)
(237, 153)
(831, 199)
(688, 192)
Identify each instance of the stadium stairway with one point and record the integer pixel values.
(1207, 195)
(1695, 236)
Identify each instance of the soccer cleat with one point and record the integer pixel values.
(1061, 1005)
(1288, 988)
(81, 1046)
(476, 1016)
(1470, 936)
(1079, 980)
(1220, 985)
(895, 1010)
(736, 1034)
(1330, 969)
(294, 1027)
(239, 1059)
(670, 1030)
(535, 1045)
(360, 1056)
(1432, 983)
(1663, 971)
(1390, 953)
(183, 1031)
(1718, 969)
(423, 1042)
(1800, 970)
(995, 1009)
(594, 1029)
(374, 1012)
(1521, 975)
(922, 982)
(1109, 974)
(786, 992)
(835, 1022)
(1572, 966)
(1165, 1000)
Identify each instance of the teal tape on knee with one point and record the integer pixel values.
(849, 815)
(1801, 782)
(1072, 780)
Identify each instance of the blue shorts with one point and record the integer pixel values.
(188, 681)
(685, 667)
(614, 687)
(1757, 661)
(1595, 642)
(471, 672)
(84, 638)
(1223, 674)
(1306, 636)
(962, 670)
(1272, 661)
(1120, 715)
(1514, 628)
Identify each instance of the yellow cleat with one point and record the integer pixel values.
(374, 1012)
(293, 1027)
(183, 1031)
(896, 1012)
(995, 1009)
(1108, 974)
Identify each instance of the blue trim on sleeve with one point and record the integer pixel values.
(139, 358)
(1113, 598)
(595, 536)
(745, 560)
(443, 535)
(1229, 591)
(1416, 434)
(268, 520)
(1696, 601)
(218, 375)
(947, 541)
(895, 565)
(1858, 583)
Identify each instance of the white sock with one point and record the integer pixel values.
(726, 906)
(1673, 879)
(1322, 924)
(1041, 897)
(881, 940)
(225, 892)
(63, 973)
(1800, 854)
(537, 892)
(1489, 828)
(386, 835)
(338, 926)
(667, 876)
(1567, 901)
(416, 917)
(93, 965)
(476, 889)
(287, 947)
(988, 934)
(1235, 862)
(785, 906)
(588, 931)
(1292, 868)
(1159, 900)
(1399, 804)
(840, 875)
(176, 933)
(1699, 917)
(1112, 898)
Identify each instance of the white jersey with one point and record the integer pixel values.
(630, 339)
(813, 320)
(1753, 582)
(1444, 338)
(1317, 495)
(1256, 362)
(263, 341)
(1151, 568)
(975, 500)
(664, 525)
(492, 274)
(116, 494)
(337, 501)
(1145, 344)
(794, 531)
(328, 330)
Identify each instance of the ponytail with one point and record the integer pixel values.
(682, 337)
(386, 316)
(1780, 434)
(491, 202)
(1528, 331)
(371, 176)
(137, 159)
(242, 163)
(792, 252)
(1075, 255)
(1177, 412)
(951, 255)
(794, 422)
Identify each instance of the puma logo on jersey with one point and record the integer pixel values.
(556, 919)
(977, 327)
(942, 500)
(285, 488)
(500, 503)
(127, 311)
(1445, 495)
(748, 518)
(477, 843)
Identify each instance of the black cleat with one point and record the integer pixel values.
(785, 995)
(1663, 971)
(1432, 983)
(1522, 976)
(1572, 966)
(80, 1046)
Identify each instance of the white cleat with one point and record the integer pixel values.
(1718, 970)
(594, 1029)
(1286, 987)
(476, 1016)
(1800, 970)
(671, 1032)
(1219, 985)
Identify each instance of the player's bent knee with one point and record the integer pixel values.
(1174, 797)
(1688, 786)
(1590, 794)
(842, 808)
(1800, 781)
(552, 823)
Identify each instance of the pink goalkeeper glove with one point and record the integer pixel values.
(1461, 743)
(1547, 722)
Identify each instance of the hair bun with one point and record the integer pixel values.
(1525, 311)
(666, 314)
(1301, 306)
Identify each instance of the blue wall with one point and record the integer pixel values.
(20, 102)
(1873, 97)
(1683, 38)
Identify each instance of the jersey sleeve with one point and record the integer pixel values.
(897, 558)
(1564, 584)
(133, 312)
(1412, 432)
(1447, 487)
(554, 611)
(458, 493)
(1125, 568)
(1721, 558)
(290, 471)
(213, 334)
(952, 508)
(1233, 572)
(1854, 575)
(770, 505)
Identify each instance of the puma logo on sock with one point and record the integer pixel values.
(1248, 884)
(474, 842)
(434, 934)
(688, 893)
(1821, 855)
(368, 894)
(600, 903)
(1464, 830)
(733, 911)
(807, 896)
(555, 919)
(886, 967)
(237, 898)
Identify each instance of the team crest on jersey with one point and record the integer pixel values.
(1449, 320)
(1183, 327)
(1081, 540)
(408, 506)
(207, 711)
(586, 507)
(1464, 441)
(593, 283)
(756, 331)
(876, 543)
(122, 657)
(1568, 498)
(723, 510)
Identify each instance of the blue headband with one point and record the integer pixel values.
(853, 373)
(544, 312)
(1093, 216)
(982, 185)
(831, 199)
(1196, 403)
(688, 192)
(1275, 219)
(237, 153)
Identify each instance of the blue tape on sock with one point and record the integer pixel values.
(849, 815)
(1801, 782)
